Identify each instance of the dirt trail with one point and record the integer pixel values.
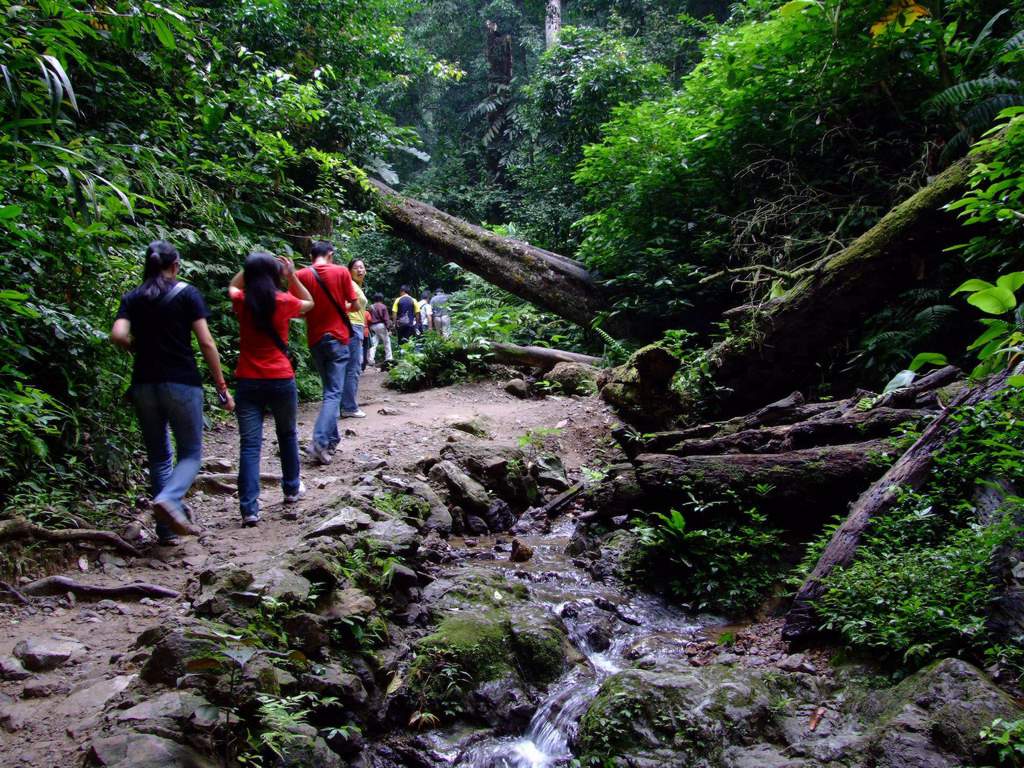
(49, 726)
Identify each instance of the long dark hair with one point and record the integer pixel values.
(262, 274)
(159, 256)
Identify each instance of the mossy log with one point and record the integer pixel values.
(799, 489)
(787, 338)
(909, 473)
(543, 278)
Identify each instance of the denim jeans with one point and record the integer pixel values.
(162, 409)
(350, 392)
(253, 398)
(330, 357)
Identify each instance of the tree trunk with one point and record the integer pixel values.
(907, 474)
(552, 23)
(798, 489)
(542, 357)
(499, 82)
(791, 333)
(546, 279)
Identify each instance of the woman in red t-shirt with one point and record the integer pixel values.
(265, 380)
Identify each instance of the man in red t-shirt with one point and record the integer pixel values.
(327, 333)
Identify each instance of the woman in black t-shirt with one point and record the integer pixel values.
(155, 323)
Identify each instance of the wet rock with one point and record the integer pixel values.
(346, 520)
(344, 686)
(263, 676)
(403, 578)
(797, 662)
(434, 549)
(393, 537)
(517, 388)
(306, 750)
(41, 655)
(440, 517)
(11, 669)
(933, 718)
(550, 472)
(281, 584)
(138, 750)
(170, 656)
(475, 525)
(307, 632)
(42, 689)
(503, 705)
(465, 491)
(499, 516)
(349, 603)
(520, 552)
(499, 467)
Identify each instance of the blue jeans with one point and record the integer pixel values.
(349, 404)
(330, 357)
(162, 409)
(253, 398)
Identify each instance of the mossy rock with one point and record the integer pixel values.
(641, 390)
(573, 378)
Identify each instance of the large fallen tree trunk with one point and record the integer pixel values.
(798, 489)
(907, 474)
(791, 334)
(551, 281)
(541, 357)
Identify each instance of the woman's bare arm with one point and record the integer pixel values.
(121, 333)
(209, 349)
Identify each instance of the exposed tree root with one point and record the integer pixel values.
(59, 585)
(19, 528)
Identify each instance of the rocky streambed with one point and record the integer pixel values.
(441, 612)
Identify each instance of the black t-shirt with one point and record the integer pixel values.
(163, 335)
(406, 311)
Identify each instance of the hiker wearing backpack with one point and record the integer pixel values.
(441, 313)
(379, 324)
(328, 331)
(155, 322)
(406, 311)
(265, 375)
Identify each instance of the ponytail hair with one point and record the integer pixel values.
(262, 274)
(159, 256)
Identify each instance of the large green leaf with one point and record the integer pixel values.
(1011, 282)
(995, 301)
(971, 285)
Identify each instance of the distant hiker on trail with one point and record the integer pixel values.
(327, 333)
(441, 313)
(366, 338)
(155, 323)
(266, 379)
(350, 393)
(379, 325)
(406, 311)
(426, 314)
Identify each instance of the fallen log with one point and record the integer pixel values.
(799, 489)
(19, 528)
(546, 279)
(792, 333)
(540, 357)
(848, 428)
(910, 472)
(59, 585)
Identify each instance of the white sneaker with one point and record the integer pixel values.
(359, 414)
(291, 498)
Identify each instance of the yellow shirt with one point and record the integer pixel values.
(357, 317)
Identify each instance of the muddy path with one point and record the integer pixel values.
(49, 717)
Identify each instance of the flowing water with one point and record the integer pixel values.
(635, 625)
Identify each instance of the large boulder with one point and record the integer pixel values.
(139, 750)
(502, 468)
(641, 390)
(574, 378)
(46, 653)
(464, 490)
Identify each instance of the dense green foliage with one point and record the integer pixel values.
(219, 126)
(923, 579)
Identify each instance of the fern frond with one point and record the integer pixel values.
(1012, 43)
(971, 90)
(980, 117)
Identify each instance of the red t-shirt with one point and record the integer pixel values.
(259, 357)
(323, 318)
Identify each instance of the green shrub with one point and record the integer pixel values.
(726, 561)
(922, 580)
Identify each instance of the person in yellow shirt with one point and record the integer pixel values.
(406, 311)
(350, 392)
